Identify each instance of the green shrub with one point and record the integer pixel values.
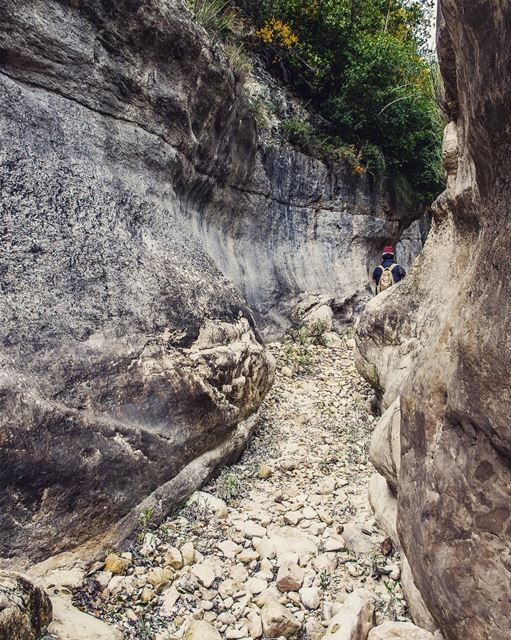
(259, 108)
(229, 486)
(145, 518)
(365, 66)
(297, 131)
(373, 158)
(401, 189)
(350, 155)
(299, 354)
(325, 578)
(216, 16)
(302, 134)
(143, 629)
(316, 331)
(239, 62)
(300, 338)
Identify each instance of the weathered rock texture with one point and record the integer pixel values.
(71, 624)
(25, 610)
(300, 226)
(294, 225)
(441, 340)
(399, 631)
(132, 174)
(129, 366)
(385, 450)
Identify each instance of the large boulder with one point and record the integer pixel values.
(385, 449)
(25, 609)
(69, 623)
(442, 341)
(130, 367)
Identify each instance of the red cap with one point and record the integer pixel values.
(388, 249)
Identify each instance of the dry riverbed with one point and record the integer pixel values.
(276, 544)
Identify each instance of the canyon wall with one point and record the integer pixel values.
(131, 367)
(139, 209)
(440, 342)
(302, 226)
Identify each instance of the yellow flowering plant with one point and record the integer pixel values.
(276, 31)
(365, 66)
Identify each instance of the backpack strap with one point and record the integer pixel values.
(392, 267)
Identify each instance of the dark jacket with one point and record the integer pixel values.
(398, 273)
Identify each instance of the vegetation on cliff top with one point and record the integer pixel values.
(366, 67)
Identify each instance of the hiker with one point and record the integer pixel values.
(388, 273)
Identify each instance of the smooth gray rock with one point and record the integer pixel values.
(384, 504)
(130, 367)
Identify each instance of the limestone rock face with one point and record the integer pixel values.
(302, 227)
(24, 608)
(442, 341)
(130, 367)
(134, 182)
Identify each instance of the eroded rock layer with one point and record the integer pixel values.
(441, 341)
(134, 183)
(301, 226)
(25, 609)
(130, 366)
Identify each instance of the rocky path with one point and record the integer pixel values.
(277, 543)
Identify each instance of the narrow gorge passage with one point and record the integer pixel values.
(185, 181)
(298, 497)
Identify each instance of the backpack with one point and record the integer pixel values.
(386, 279)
